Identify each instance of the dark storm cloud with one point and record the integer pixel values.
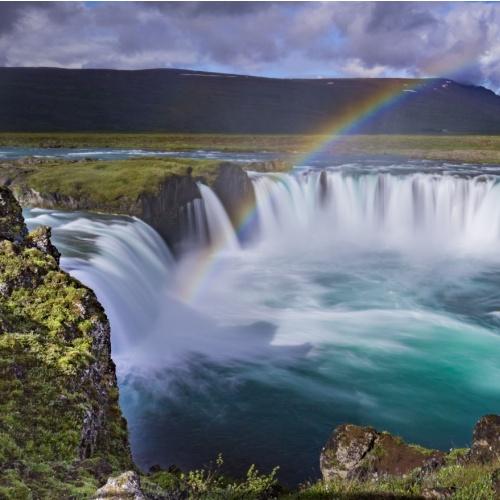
(213, 8)
(460, 40)
(390, 16)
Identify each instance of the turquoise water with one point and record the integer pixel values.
(407, 347)
(378, 306)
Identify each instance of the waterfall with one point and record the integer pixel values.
(221, 232)
(401, 211)
(325, 307)
(122, 259)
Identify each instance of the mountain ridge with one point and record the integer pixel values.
(188, 101)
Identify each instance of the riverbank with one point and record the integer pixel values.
(455, 148)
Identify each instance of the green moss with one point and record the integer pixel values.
(48, 321)
(422, 449)
(456, 455)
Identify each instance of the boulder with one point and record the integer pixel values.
(486, 440)
(362, 453)
(126, 486)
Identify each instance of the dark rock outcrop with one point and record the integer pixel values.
(362, 453)
(235, 191)
(486, 440)
(164, 210)
(12, 225)
(323, 187)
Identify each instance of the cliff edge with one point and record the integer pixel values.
(61, 429)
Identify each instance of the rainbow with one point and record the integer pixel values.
(350, 120)
(344, 123)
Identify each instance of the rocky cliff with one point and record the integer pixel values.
(165, 209)
(61, 429)
(160, 202)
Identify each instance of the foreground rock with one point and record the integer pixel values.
(381, 464)
(486, 440)
(362, 453)
(126, 486)
(59, 412)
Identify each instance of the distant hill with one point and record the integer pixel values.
(173, 100)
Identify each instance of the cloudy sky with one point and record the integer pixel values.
(457, 40)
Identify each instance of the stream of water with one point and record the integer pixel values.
(368, 295)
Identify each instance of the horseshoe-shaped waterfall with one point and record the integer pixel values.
(363, 296)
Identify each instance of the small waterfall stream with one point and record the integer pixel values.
(221, 232)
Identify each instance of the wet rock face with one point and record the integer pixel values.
(323, 187)
(235, 191)
(164, 210)
(126, 486)
(486, 440)
(362, 453)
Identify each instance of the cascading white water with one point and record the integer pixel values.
(416, 211)
(196, 227)
(122, 259)
(220, 229)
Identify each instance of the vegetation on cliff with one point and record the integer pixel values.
(61, 429)
(156, 190)
(106, 185)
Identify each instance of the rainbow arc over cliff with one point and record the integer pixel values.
(346, 122)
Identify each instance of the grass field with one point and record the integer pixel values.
(105, 184)
(471, 148)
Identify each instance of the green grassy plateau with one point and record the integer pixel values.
(104, 183)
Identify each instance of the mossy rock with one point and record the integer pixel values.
(58, 390)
